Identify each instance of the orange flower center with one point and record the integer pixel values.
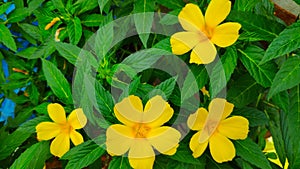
(211, 127)
(208, 32)
(140, 130)
(66, 128)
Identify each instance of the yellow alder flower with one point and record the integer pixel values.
(215, 129)
(142, 131)
(62, 129)
(202, 32)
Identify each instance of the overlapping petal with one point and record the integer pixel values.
(118, 139)
(216, 12)
(221, 148)
(57, 113)
(47, 130)
(196, 147)
(142, 163)
(182, 42)
(226, 34)
(235, 127)
(165, 116)
(60, 145)
(205, 52)
(191, 18)
(220, 106)
(77, 119)
(129, 108)
(196, 121)
(76, 137)
(164, 139)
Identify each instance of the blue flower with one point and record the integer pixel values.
(7, 110)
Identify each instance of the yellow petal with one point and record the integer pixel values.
(164, 139)
(118, 139)
(196, 147)
(216, 12)
(77, 119)
(226, 34)
(191, 18)
(76, 137)
(47, 130)
(221, 148)
(204, 53)
(236, 127)
(142, 163)
(123, 119)
(57, 113)
(220, 105)
(196, 121)
(172, 151)
(60, 145)
(182, 42)
(130, 108)
(157, 112)
(140, 148)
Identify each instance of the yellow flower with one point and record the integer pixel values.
(142, 131)
(215, 129)
(49, 25)
(201, 33)
(269, 148)
(63, 129)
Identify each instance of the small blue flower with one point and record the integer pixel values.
(7, 110)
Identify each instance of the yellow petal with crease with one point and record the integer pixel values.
(47, 130)
(221, 148)
(77, 119)
(226, 34)
(76, 137)
(182, 42)
(118, 139)
(60, 145)
(164, 139)
(196, 147)
(220, 105)
(216, 12)
(157, 116)
(191, 18)
(204, 53)
(142, 163)
(236, 127)
(57, 113)
(140, 148)
(197, 120)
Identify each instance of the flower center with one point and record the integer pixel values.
(66, 128)
(140, 130)
(208, 130)
(208, 32)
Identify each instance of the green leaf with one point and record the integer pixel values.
(34, 157)
(4, 7)
(119, 163)
(32, 31)
(250, 152)
(165, 88)
(184, 155)
(57, 82)
(244, 5)
(59, 5)
(290, 127)
(243, 91)
(34, 4)
(82, 6)
(102, 4)
(287, 41)
(42, 51)
(287, 77)
(164, 45)
(200, 74)
(74, 30)
(255, 116)
(263, 74)
(176, 4)
(281, 100)
(143, 18)
(6, 38)
(92, 20)
(83, 155)
(222, 71)
(190, 87)
(18, 15)
(297, 1)
(171, 18)
(257, 24)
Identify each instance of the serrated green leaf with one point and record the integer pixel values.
(171, 18)
(102, 4)
(255, 116)
(6, 38)
(165, 88)
(222, 71)
(42, 51)
(164, 45)
(250, 152)
(74, 30)
(184, 155)
(81, 6)
(244, 5)
(290, 127)
(4, 7)
(143, 19)
(119, 163)
(59, 5)
(190, 87)
(200, 74)
(34, 4)
(244, 91)
(57, 82)
(263, 74)
(287, 77)
(92, 20)
(34, 157)
(32, 31)
(18, 15)
(257, 24)
(287, 41)
(281, 100)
